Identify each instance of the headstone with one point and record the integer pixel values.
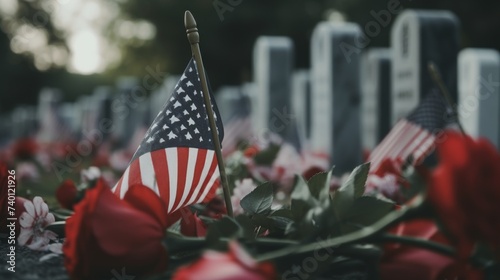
(101, 101)
(50, 125)
(301, 103)
(417, 38)
(71, 117)
(24, 120)
(161, 95)
(376, 96)
(6, 127)
(124, 107)
(273, 63)
(479, 94)
(335, 88)
(229, 100)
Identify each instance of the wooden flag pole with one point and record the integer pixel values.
(433, 70)
(194, 39)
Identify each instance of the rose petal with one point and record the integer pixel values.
(49, 219)
(26, 220)
(45, 210)
(24, 236)
(38, 202)
(30, 208)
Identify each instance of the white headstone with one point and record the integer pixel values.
(301, 103)
(417, 38)
(24, 120)
(335, 88)
(479, 95)
(161, 95)
(124, 106)
(228, 99)
(272, 66)
(49, 100)
(376, 96)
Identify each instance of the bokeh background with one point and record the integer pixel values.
(76, 45)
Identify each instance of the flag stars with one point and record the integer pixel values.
(171, 135)
(183, 77)
(177, 104)
(162, 140)
(201, 139)
(187, 98)
(196, 131)
(190, 122)
(168, 112)
(183, 127)
(189, 84)
(193, 107)
(188, 136)
(150, 139)
(198, 115)
(165, 127)
(185, 112)
(180, 90)
(173, 119)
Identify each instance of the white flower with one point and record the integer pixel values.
(33, 222)
(241, 190)
(90, 174)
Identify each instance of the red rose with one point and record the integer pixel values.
(416, 263)
(215, 208)
(233, 265)
(465, 190)
(106, 234)
(191, 225)
(66, 194)
(25, 148)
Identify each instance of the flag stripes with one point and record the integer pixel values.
(198, 170)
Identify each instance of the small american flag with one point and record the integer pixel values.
(176, 158)
(414, 135)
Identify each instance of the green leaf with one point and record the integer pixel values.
(301, 192)
(259, 201)
(267, 156)
(319, 185)
(367, 210)
(247, 226)
(225, 227)
(356, 181)
(299, 209)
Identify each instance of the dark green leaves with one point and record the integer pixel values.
(259, 201)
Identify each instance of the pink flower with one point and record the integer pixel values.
(33, 221)
(242, 188)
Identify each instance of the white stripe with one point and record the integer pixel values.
(124, 188)
(147, 171)
(214, 177)
(424, 148)
(404, 141)
(416, 144)
(381, 151)
(172, 172)
(206, 167)
(191, 167)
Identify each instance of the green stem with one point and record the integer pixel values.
(416, 210)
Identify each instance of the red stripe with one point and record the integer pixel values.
(200, 163)
(118, 187)
(134, 176)
(160, 165)
(182, 160)
(207, 179)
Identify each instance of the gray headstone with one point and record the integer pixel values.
(376, 96)
(335, 88)
(418, 37)
(272, 66)
(161, 95)
(301, 103)
(124, 108)
(71, 117)
(479, 95)
(24, 120)
(227, 98)
(49, 101)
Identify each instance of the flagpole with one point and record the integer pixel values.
(433, 70)
(194, 39)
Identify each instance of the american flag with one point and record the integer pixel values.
(176, 158)
(414, 135)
